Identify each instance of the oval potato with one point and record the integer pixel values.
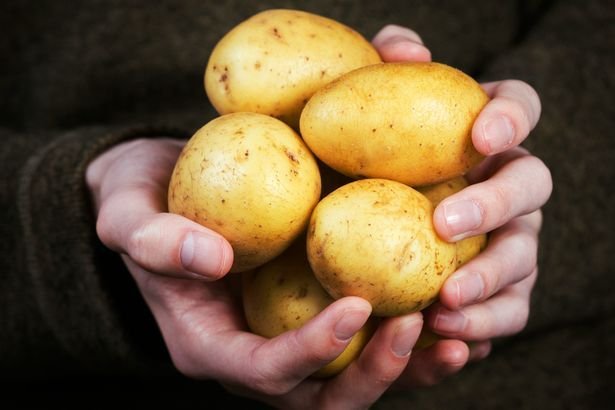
(250, 178)
(274, 61)
(409, 122)
(283, 295)
(374, 238)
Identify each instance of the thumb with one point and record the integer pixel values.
(161, 242)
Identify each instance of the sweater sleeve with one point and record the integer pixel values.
(67, 303)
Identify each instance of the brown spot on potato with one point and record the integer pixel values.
(291, 156)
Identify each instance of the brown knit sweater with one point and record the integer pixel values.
(78, 77)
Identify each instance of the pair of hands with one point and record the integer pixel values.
(180, 266)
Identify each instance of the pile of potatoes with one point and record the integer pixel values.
(323, 170)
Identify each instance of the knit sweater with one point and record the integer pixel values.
(79, 77)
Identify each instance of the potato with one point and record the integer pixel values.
(284, 294)
(467, 248)
(427, 338)
(274, 61)
(409, 122)
(374, 238)
(251, 178)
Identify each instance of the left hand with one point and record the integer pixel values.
(489, 296)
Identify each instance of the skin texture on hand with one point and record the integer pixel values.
(180, 267)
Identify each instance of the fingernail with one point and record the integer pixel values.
(405, 337)
(349, 324)
(470, 287)
(449, 321)
(202, 254)
(402, 39)
(462, 217)
(498, 133)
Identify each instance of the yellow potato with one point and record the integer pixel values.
(274, 61)
(467, 248)
(374, 238)
(409, 122)
(426, 339)
(437, 192)
(283, 295)
(251, 178)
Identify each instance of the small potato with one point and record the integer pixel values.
(251, 178)
(283, 295)
(467, 248)
(374, 238)
(274, 61)
(409, 122)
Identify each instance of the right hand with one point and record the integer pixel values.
(197, 308)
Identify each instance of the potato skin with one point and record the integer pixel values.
(250, 178)
(274, 61)
(284, 294)
(374, 238)
(469, 247)
(409, 122)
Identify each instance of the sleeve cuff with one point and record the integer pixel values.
(82, 289)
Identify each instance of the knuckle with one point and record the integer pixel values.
(186, 368)
(183, 361)
(270, 385)
(501, 203)
(104, 228)
(491, 281)
(542, 176)
(532, 97)
(136, 239)
(264, 377)
(530, 100)
(525, 244)
(141, 237)
(520, 318)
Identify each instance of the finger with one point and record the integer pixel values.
(519, 187)
(510, 257)
(503, 315)
(131, 221)
(508, 118)
(382, 361)
(104, 171)
(278, 365)
(432, 364)
(479, 350)
(397, 43)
